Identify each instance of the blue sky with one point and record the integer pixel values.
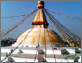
(14, 8)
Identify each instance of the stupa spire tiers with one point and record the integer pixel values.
(40, 18)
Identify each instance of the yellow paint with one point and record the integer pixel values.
(34, 37)
(40, 5)
(71, 44)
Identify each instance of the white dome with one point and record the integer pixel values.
(34, 36)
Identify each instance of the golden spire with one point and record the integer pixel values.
(40, 18)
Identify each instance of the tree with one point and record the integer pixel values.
(7, 42)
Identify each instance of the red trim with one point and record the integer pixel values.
(55, 48)
(38, 22)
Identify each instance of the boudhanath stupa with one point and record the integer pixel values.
(40, 44)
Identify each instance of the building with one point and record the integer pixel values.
(40, 44)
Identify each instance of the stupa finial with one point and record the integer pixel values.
(40, 4)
